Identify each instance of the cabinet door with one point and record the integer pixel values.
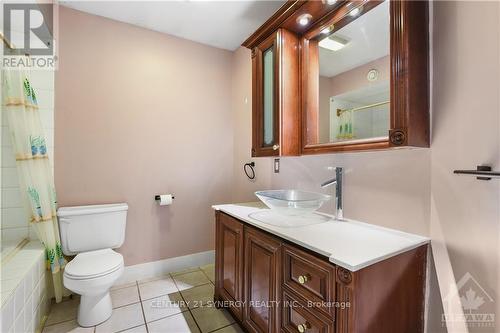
(229, 263)
(265, 98)
(275, 98)
(262, 273)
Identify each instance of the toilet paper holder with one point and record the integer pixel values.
(157, 197)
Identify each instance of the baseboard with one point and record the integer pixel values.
(162, 267)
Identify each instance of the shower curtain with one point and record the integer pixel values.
(34, 171)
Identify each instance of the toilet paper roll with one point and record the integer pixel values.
(165, 199)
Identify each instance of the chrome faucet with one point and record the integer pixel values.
(339, 214)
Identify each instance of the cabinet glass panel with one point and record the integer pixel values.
(354, 78)
(268, 96)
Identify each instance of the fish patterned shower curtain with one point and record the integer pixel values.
(33, 168)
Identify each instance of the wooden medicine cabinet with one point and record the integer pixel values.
(335, 76)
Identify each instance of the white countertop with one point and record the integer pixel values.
(350, 244)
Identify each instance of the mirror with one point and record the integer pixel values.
(268, 94)
(354, 78)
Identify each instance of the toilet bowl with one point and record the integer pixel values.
(91, 275)
(91, 232)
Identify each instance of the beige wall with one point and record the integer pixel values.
(465, 212)
(140, 113)
(241, 106)
(355, 78)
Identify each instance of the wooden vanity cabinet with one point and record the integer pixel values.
(275, 95)
(288, 289)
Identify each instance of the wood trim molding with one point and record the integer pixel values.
(309, 86)
(322, 148)
(288, 95)
(339, 17)
(344, 276)
(409, 74)
(344, 316)
(273, 23)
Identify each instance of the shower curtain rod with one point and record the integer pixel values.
(9, 44)
(340, 111)
(6, 42)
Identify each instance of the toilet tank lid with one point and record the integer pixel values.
(92, 209)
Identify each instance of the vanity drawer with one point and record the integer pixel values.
(311, 278)
(297, 318)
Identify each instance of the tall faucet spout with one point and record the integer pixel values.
(329, 182)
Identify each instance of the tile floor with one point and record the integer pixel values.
(172, 303)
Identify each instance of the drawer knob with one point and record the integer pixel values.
(303, 279)
(303, 327)
(276, 147)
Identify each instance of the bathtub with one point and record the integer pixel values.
(9, 248)
(24, 280)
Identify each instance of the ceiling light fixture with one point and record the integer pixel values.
(355, 11)
(327, 30)
(333, 43)
(304, 19)
(330, 2)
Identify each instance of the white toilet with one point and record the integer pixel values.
(91, 232)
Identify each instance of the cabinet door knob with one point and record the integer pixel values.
(276, 147)
(303, 327)
(303, 279)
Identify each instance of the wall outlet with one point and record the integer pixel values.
(276, 165)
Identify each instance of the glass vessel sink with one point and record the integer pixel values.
(292, 202)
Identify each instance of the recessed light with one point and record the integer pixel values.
(304, 19)
(355, 11)
(326, 30)
(333, 43)
(330, 2)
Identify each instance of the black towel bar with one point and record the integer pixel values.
(483, 171)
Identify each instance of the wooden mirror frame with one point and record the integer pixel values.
(409, 77)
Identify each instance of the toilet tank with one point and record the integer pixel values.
(88, 228)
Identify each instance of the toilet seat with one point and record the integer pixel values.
(93, 264)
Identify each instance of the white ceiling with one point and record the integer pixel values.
(369, 40)
(223, 24)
